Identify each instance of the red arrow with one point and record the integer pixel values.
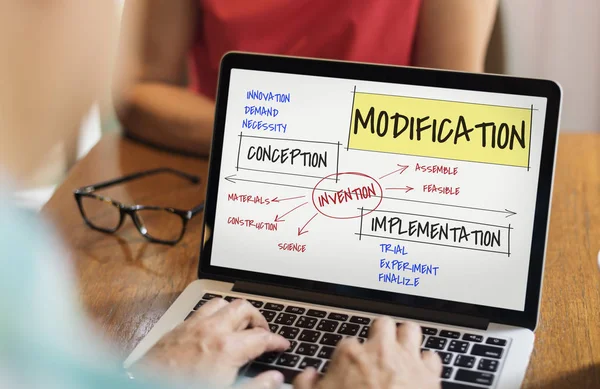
(277, 219)
(278, 200)
(405, 189)
(301, 230)
(401, 170)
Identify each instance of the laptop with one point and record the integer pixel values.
(339, 192)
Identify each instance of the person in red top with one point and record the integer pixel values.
(170, 103)
(171, 100)
(379, 31)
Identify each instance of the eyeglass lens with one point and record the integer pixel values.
(99, 213)
(160, 224)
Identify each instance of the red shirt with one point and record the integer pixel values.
(380, 31)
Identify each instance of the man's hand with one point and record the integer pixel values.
(389, 359)
(211, 346)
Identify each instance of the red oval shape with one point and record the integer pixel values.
(380, 195)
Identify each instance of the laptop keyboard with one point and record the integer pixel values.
(470, 360)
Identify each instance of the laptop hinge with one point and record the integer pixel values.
(361, 305)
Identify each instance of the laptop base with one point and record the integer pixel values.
(510, 370)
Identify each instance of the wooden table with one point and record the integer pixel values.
(127, 283)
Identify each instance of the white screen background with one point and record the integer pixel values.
(319, 110)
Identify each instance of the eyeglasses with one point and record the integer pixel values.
(157, 224)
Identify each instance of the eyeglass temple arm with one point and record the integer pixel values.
(197, 210)
(135, 176)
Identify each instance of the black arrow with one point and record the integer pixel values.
(508, 212)
(232, 179)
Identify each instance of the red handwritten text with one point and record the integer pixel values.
(300, 248)
(249, 223)
(443, 190)
(437, 169)
(246, 198)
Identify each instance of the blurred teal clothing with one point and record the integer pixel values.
(45, 341)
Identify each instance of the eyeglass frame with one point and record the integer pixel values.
(131, 210)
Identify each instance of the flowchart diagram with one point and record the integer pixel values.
(341, 194)
(402, 171)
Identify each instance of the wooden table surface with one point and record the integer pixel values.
(127, 283)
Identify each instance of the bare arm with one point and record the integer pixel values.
(454, 34)
(155, 106)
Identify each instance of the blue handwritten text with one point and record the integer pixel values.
(419, 268)
(398, 279)
(268, 96)
(396, 249)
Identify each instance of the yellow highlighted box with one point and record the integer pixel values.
(441, 129)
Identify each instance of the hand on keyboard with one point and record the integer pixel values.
(214, 343)
(391, 358)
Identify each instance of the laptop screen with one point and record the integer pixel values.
(407, 189)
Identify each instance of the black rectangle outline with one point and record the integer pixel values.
(351, 116)
(530, 131)
(509, 228)
(290, 139)
(361, 223)
(237, 165)
(238, 168)
(440, 218)
(337, 163)
(435, 217)
(446, 101)
(531, 109)
(442, 79)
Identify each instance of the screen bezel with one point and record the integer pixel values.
(401, 75)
